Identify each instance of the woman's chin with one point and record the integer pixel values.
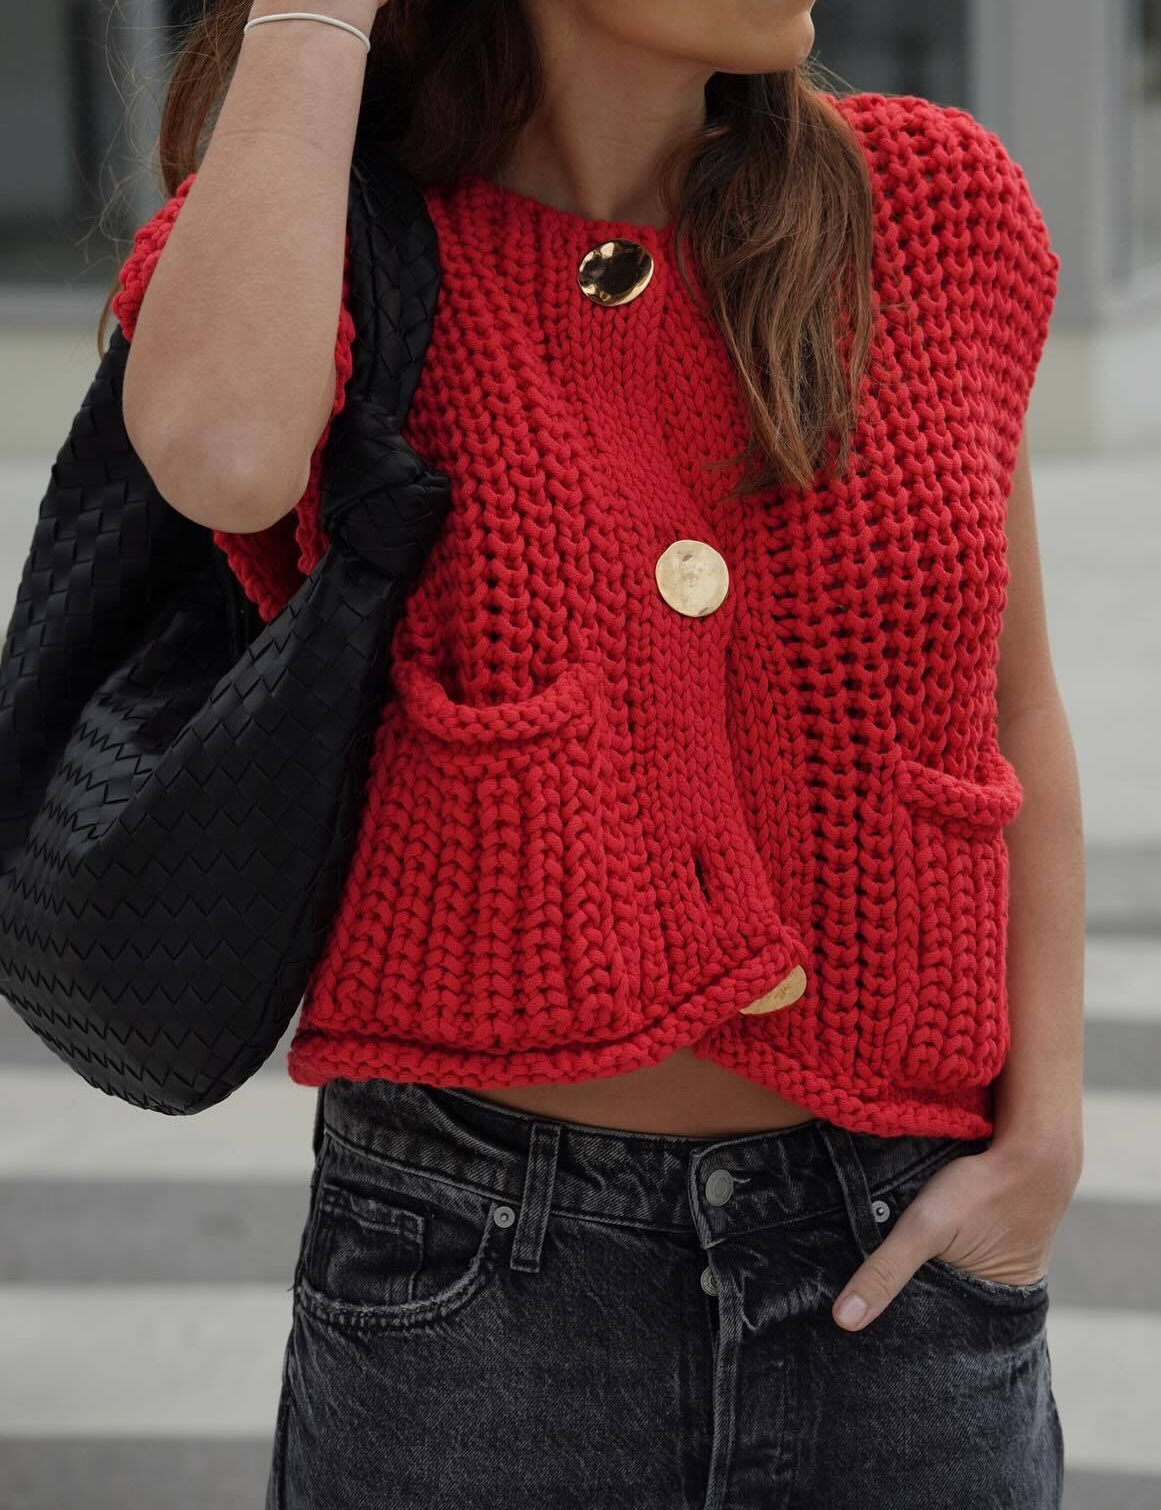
(807, 29)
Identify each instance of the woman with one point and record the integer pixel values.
(698, 1038)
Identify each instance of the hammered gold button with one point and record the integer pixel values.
(615, 272)
(782, 995)
(692, 577)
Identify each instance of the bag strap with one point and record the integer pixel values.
(393, 274)
(394, 279)
(379, 500)
(100, 502)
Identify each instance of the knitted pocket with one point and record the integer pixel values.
(494, 905)
(959, 1033)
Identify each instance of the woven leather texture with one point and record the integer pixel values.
(180, 784)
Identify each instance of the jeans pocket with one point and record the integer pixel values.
(390, 1246)
(1035, 1290)
(893, 1200)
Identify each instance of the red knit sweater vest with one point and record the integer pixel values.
(597, 828)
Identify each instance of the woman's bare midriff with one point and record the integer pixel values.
(682, 1094)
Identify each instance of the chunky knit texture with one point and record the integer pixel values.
(596, 828)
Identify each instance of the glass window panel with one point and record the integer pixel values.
(72, 155)
(897, 46)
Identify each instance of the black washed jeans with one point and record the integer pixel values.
(500, 1311)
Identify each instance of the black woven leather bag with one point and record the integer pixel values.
(180, 784)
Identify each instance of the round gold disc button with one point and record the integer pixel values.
(782, 995)
(615, 272)
(692, 577)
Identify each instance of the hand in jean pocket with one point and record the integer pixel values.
(993, 1214)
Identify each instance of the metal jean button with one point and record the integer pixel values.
(719, 1187)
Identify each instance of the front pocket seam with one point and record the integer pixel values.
(314, 1245)
(984, 805)
(958, 863)
(428, 706)
(990, 1288)
(354, 1317)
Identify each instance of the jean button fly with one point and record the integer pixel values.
(719, 1187)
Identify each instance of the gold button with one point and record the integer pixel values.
(692, 577)
(782, 995)
(615, 272)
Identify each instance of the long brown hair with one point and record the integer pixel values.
(772, 191)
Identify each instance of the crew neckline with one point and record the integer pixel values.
(525, 205)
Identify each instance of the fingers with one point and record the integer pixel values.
(915, 1237)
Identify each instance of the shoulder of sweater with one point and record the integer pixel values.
(906, 127)
(937, 167)
(916, 146)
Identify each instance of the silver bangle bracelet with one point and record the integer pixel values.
(310, 15)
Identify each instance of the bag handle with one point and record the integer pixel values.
(394, 279)
(100, 501)
(379, 500)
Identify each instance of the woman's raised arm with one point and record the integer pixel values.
(230, 378)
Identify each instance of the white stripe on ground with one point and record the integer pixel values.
(1123, 979)
(1122, 1136)
(1104, 1377)
(56, 1126)
(162, 1360)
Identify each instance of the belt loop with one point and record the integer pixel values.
(536, 1200)
(852, 1178)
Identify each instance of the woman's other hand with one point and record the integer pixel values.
(993, 1213)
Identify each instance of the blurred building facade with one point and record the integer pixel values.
(1073, 87)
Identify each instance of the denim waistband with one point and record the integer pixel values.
(663, 1181)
